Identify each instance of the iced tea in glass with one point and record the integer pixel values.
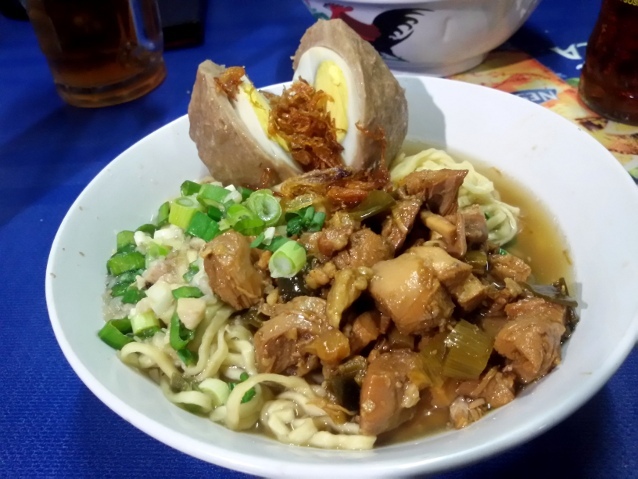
(100, 52)
(609, 80)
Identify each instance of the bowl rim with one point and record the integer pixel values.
(258, 465)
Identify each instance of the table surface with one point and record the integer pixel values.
(50, 424)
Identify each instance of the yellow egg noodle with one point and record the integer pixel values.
(502, 219)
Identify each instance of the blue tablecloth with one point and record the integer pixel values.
(50, 424)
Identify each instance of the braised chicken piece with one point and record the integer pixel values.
(230, 271)
(476, 231)
(390, 390)
(438, 188)
(509, 266)
(531, 339)
(365, 248)
(496, 387)
(365, 329)
(407, 290)
(286, 343)
(399, 222)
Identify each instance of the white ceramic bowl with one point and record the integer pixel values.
(432, 37)
(552, 157)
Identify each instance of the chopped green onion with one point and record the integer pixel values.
(179, 334)
(212, 195)
(189, 188)
(162, 214)
(119, 289)
(142, 322)
(122, 262)
(193, 269)
(248, 395)
(217, 389)
(245, 192)
(317, 221)
(128, 277)
(182, 211)
(132, 295)
(287, 260)
(214, 213)
(376, 202)
(188, 357)
(243, 376)
(155, 251)
(113, 333)
(202, 226)
(468, 350)
(147, 228)
(265, 206)
(187, 292)
(123, 325)
(125, 238)
(294, 226)
(502, 251)
(243, 220)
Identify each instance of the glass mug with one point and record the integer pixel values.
(609, 81)
(100, 52)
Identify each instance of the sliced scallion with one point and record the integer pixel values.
(265, 206)
(188, 357)
(214, 213)
(132, 295)
(203, 227)
(141, 323)
(182, 211)
(193, 269)
(212, 195)
(162, 214)
(179, 335)
(189, 188)
(287, 260)
(113, 336)
(124, 239)
(122, 262)
(187, 292)
(147, 228)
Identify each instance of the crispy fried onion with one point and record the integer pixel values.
(230, 79)
(300, 117)
(343, 187)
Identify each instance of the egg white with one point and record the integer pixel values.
(307, 69)
(246, 112)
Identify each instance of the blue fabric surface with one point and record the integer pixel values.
(50, 424)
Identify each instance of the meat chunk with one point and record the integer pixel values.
(476, 231)
(439, 188)
(536, 307)
(332, 238)
(509, 266)
(450, 271)
(531, 339)
(470, 293)
(281, 342)
(496, 387)
(465, 411)
(365, 329)
(407, 290)
(230, 271)
(390, 390)
(399, 222)
(503, 296)
(365, 248)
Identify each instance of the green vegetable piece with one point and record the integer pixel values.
(214, 213)
(188, 357)
(243, 376)
(245, 192)
(147, 228)
(127, 261)
(141, 323)
(265, 206)
(112, 336)
(162, 214)
(182, 211)
(317, 221)
(187, 292)
(212, 195)
(125, 238)
(189, 188)
(287, 260)
(132, 295)
(193, 269)
(123, 325)
(202, 226)
(248, 395)
(294, 226)
(179, 335)
(376, 202)
(119, 289)
(468, 350)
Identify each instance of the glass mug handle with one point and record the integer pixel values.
(146, 18)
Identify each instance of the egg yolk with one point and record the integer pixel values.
(262, 111)
(331, 79)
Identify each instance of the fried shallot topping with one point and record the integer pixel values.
(229, 81)
(300, 117)
(342, 186)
